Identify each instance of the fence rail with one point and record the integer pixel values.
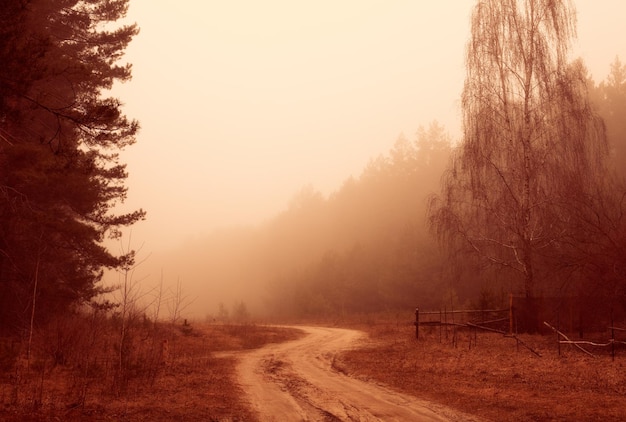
(472, 318)
(525, 315)
(580, 343)
(472, 323)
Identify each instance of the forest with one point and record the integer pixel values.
(530, 201)
(372, 245)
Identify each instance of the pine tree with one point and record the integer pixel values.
(60, 175)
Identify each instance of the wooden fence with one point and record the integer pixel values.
(523, 315)
(578, 315)
(497, 320)
(493, 320)
(584, 345)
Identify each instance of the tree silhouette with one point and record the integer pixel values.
(60, 174)
(530, 137)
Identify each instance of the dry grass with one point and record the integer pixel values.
(492, 377)
(486, 375)
(193, 384)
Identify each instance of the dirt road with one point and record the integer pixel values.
(296, 381)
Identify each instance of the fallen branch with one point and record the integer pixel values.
(523, 344)
(469, 324)
(591, 343)
(569, 341)
(493, 321)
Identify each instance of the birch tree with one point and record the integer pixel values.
(529, 135)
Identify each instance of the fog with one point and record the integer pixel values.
(247, 108)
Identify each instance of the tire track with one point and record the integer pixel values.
(295, 381)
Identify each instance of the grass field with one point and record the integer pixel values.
(195, 381)
(483, 374)
(493, 377)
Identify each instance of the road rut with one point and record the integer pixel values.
(296, 381)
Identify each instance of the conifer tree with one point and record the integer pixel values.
(60, 135)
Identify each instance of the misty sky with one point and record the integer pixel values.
(242, 103)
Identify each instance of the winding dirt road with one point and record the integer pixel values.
(295, 381)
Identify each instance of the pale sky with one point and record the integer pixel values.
(242, 103)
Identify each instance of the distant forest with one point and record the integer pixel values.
(531, 201)
(370, 245)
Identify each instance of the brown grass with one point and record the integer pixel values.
(194, 384)
(492, 377)
(486, 375)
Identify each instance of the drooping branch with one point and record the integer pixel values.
(530, 136)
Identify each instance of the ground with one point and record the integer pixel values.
(485, 374)
(494, 377)
(197, 383)
(299, 380)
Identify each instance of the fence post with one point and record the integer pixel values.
(417, 323)
(440, 324)
(558, 337)
(445, 317)
(612, 337)
(510, 313)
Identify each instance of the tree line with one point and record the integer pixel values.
(371, 248)
(530, 200)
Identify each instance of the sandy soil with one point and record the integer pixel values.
(298, 380)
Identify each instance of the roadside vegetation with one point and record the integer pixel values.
(488, 375)
(167, 372)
